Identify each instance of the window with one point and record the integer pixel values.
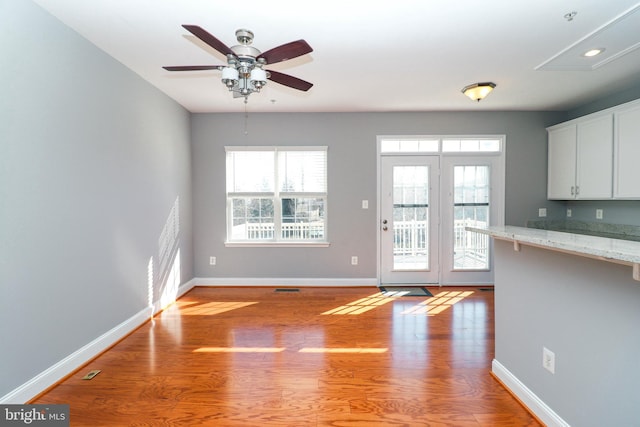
(276, 195)
(471, 145)
(434, 144)
(409, 145)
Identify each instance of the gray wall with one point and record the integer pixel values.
(614, 211)
(92, 159)
(583, 310)
(351, 138)
(630, 93)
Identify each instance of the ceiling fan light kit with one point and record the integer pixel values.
(478, 91)
(244, 73)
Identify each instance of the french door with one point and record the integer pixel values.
(472, 196)
(409, 219)
(426, 202)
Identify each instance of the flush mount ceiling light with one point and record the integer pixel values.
(478, 91)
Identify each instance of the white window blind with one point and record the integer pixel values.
(250, 171)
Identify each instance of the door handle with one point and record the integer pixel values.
(384, 228)
(384, 221)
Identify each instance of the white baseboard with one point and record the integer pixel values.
(298, 282)
(527, 397)
(66, 366)
(55, 373)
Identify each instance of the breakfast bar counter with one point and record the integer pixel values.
(567, 310)
(603, 248)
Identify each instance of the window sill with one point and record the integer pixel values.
(276, 244)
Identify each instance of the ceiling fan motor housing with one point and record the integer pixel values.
(244, 51)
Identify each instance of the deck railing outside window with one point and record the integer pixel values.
(293, 231)
(410, 239)
(471, 250)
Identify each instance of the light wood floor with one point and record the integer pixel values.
(317, 357)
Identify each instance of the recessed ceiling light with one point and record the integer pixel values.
(593, 52)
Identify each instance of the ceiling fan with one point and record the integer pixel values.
(244, 73)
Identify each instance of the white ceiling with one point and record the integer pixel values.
(402, 55)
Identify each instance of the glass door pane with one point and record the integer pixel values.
(470, 209)
(411, 218)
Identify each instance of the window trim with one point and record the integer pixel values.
(277, 196)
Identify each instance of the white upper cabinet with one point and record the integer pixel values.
(627, 154)
(596, 157)
(594, 174)
(580, 159)
(561, 177)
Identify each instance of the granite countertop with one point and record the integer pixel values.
(604, 248)
(601, 229)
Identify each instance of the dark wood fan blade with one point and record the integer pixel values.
(286, 51)
(209, 39)
(287, 80)
(193, 67)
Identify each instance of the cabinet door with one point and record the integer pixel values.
(594, 173)
(627, 154)
(561, 172)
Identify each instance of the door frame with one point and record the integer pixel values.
(497, 219)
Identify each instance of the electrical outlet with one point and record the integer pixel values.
(599, 213)
(354, 260)
(548, 360)
(212, 260)
(542, 212)
(568, 213)
(365, 204)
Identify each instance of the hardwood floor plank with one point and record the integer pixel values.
(252, 356)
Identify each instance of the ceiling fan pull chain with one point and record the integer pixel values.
(246, 118)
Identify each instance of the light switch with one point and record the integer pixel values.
(365, 204)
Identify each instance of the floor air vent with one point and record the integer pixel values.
(287, 290)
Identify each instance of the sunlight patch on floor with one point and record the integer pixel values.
(438, 303)
(359, 350)
(363, 304)
(239, 350)
(343, 350)
(214, 307)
